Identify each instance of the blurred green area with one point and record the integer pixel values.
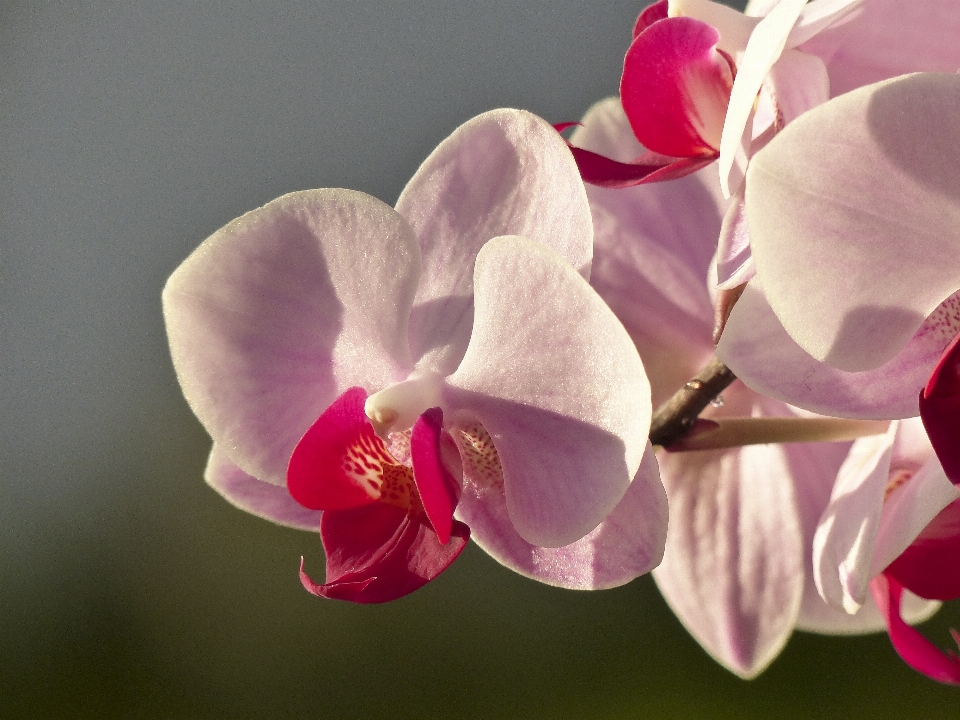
(176, 605)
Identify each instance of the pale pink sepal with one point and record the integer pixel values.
(757, 348)
(733, 566)
(889, 38)
(259, 498)
(854, 217)
(505, 172)
(277, 313)
(843, 546)
(653, 249)
(767, 41)
(815, 467)
(916, 651)
(561, 391)
(627, 544)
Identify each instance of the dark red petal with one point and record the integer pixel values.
(599, 170)
(940, 410)
(676, 86)
(915, 650)
(930, 567)
(650, 14)
(339, 461)
(379, 553)
(438, 490)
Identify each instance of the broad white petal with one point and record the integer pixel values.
(556, 381)
(888, 38)
(283, 309)
(627, 544)
(758, 349)
(733, 566)
(854, 218)
(505, 172)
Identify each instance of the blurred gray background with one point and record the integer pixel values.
(129, 131)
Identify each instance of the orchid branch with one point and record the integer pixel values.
(676, 417)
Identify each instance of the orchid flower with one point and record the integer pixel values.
(853, 214)
(375, 370)
(702, 81)
(893, 523)
(737, 568)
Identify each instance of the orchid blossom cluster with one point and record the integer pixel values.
(484, 359)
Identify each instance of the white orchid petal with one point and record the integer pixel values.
(854, 218)
(554, 378)
(283, 309)
(505, 172)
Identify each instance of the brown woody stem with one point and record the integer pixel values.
(675, 418)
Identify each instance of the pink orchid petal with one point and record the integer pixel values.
(908, 510)
(651, 261)
(259, 498)
(437, 488)
(627, 544)
(379, 553)
(675, 87)
(560, 389)
(757, 348)
(767, 41)
(649, 15)
(283, 309)
(889, 38)
(604, 172)
(854, 213)
(819, 15)
(916, 651)
(504, 172)
(797, 82)
(940, 409)
(818, 617)
(930, 567)
(814, 467)
(733, 566)
(339, 463)
(843, 546)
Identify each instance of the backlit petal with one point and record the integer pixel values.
(854, 217)
(259, 498)
(556, 381)
(733, 566)
(283, 309)
(757, 348)
(627, 544)
(505, 172)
